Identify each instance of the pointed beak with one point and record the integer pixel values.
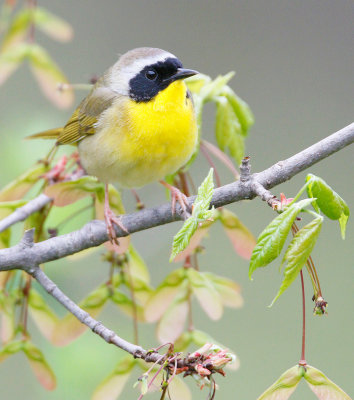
(183, 73)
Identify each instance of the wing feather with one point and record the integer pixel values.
(82, 122)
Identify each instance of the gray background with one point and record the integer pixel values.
(294, 63)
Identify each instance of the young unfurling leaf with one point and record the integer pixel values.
(196, 239)
(241, 110)
(200, 213)
(328, 201)
(183, 236)
(298, 252)
(205, 193)
(271, 241)
(228, 130)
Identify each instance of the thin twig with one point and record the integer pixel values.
(21, 213)
(96, 326)
(220, 155)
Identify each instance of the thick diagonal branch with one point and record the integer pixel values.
(94, 233)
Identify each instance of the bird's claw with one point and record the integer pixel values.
(112, 219)
(181, 198)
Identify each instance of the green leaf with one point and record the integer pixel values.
(298, 252)
(205, 193)
(228, 129)
(328, 201)
(213, 89)
(21, 185)
(48, 76)
(200, 213)
(39, 365)
(323, 387)
(241, 110)
(196, 82)
(284, 386)
(271, 241)
(206, 294)
(52, 25)
(241, 238)
(163, 296)
(196, 239)
(183, 236)
(113, 385)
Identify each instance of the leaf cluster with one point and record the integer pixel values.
(271, 241)
(18, 46)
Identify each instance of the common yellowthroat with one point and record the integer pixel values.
(137, 124)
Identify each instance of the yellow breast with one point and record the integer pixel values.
(138, 143)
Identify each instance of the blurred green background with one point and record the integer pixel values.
(294, 64)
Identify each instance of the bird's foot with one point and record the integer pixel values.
(181, 198)
(111, 219)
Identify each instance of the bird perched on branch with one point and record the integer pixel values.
(136, 126)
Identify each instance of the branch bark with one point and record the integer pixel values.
(94, 233)
(25, 211)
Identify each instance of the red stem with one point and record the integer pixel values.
(210, 161)
(302, 359)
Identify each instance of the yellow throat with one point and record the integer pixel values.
(140, 142)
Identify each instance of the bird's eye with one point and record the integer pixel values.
(151, 74)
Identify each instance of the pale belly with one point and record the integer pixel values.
(134, 156)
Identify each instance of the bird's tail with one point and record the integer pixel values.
(49, 134)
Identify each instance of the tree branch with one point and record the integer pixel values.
(21, 213)
(28, 255)
(96, 326)
(94, 233)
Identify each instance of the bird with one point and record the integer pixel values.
(136, 125)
